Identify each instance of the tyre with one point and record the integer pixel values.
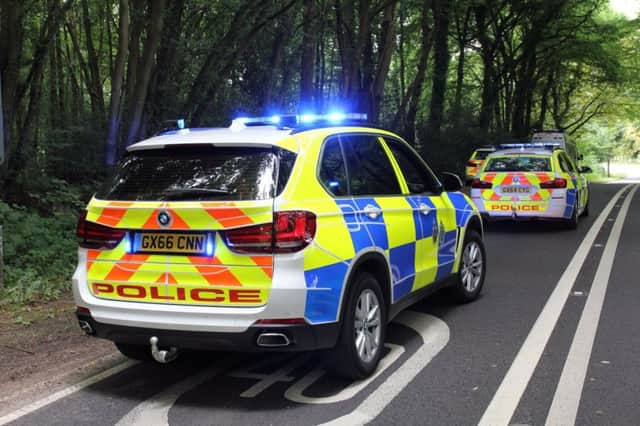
(473, 266)
(572, 223)
(137, 352)
(363, 330)
(585, 212)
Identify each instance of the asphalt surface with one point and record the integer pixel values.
(446, 363)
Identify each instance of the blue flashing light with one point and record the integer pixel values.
(336, 117)
(180, 123)
(307, 118)
(128, 243)
(209, 249)
(334, 184)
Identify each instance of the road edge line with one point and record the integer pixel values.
(566, 399)
(508, 395)
(29, 408)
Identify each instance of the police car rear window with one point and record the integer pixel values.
(200, 174)
(518, 164)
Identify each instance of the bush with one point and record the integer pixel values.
(39, 254)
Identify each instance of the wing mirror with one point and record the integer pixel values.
(585, 169)
(451, 182)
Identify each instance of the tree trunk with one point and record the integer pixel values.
(405, 118)
(462, 37)
(54, 121)
(154, 30)
(544, 100)
(95, 82)
(387, 43)
(307, 62)
(219, 63)
(489, 92)
(137, 22)
(440, 67)
(11, 39)
(164, 86)
(276, 61)
(111, 146)
(33, 84)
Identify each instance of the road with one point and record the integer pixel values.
(553, 340)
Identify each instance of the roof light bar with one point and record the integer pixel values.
(546, 145)
(298, 120)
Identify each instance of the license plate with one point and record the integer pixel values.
(170, 243)
(516, 190)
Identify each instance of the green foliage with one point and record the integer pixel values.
(39, 254)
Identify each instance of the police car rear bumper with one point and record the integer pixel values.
(291, 337)
(523, 210)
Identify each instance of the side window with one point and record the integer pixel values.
(333, 173)
(419, 178)
(369, 167)
(565, 165)
(572, 167)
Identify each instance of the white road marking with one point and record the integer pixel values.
(265, 381)
(295, 392)
(435, 334)
(506, 399)
(155, 410)
(65, 392)
(564, 408)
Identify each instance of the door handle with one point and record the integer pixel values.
(424, 209)
(372, 211)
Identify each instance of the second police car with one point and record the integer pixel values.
(531, 181)
(271, 234)
(475, 162)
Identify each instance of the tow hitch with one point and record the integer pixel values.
(162, 356)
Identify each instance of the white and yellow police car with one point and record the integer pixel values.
(475, 162)
(286, 233)
(531, 181)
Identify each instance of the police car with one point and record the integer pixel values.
(283, 233)
(475, 162)
(531, 181)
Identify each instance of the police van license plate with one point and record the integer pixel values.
(170, 243)
(516, 190)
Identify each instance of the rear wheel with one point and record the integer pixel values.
(470, 279)
(585, 212)
(133, 351)
(363, 330)
(572, 223)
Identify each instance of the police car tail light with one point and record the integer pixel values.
(94, 236)
(555, 183)
(477, 183)
(290, 231)
(294, 230)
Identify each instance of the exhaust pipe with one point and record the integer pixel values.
(86, 327)
(272, 340)
(162, 356)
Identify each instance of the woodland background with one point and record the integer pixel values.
(83, 79)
